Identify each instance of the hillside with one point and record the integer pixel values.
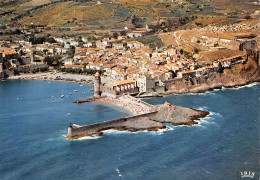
(114, 13)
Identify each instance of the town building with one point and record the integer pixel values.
(120, 87)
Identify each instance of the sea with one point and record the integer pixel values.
(33, 125)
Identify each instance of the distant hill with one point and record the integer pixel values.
(82, 14)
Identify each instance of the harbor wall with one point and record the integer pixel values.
(120, 123)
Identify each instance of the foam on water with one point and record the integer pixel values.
(158, 132)
(119, 173)
(202, 108)
(240, 87)
(113, 131)
(206, 121)
(89, 137)
(117, 132)
(211, 113)
(209, 120)
(222, 88)
(83, 138)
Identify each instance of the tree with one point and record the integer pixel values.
(71, 52)
(37, 40)
(122, 33)
(50, 40)
(48, 60)
(115, 35)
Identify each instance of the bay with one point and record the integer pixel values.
(32, 143)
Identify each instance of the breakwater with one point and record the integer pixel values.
(151, 121)
(132, 123)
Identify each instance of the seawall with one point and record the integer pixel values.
(152, 121)
(132, 123)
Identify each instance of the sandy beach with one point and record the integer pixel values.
(130, 103)
(60, 76)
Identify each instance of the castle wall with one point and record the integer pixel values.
(31, 67)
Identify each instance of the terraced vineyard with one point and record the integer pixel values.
(111, 13)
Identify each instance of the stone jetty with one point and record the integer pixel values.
(149, 117)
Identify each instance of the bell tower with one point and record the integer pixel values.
(97, 83)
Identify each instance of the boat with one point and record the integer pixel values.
(91, 89)
(62, 96)
(53, 98)
(75, 90)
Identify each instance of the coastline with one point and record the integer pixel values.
(163, 114)
(51, 76)
(88, 79)
(204, 89)
(60, 76)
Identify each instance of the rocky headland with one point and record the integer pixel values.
(176, 115)
(239, 75)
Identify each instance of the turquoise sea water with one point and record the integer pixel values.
(32, 146)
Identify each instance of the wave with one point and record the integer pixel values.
(113, 131)
(83, 138)
(202, 108)
(206, 92)
(205, 108)
(209, 120)
(89, 137)
(206, 121)
(159, 132)
(211, 92)
(211, 113)
(119, 173)
(241, 87)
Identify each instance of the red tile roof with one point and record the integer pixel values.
(118, 83)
